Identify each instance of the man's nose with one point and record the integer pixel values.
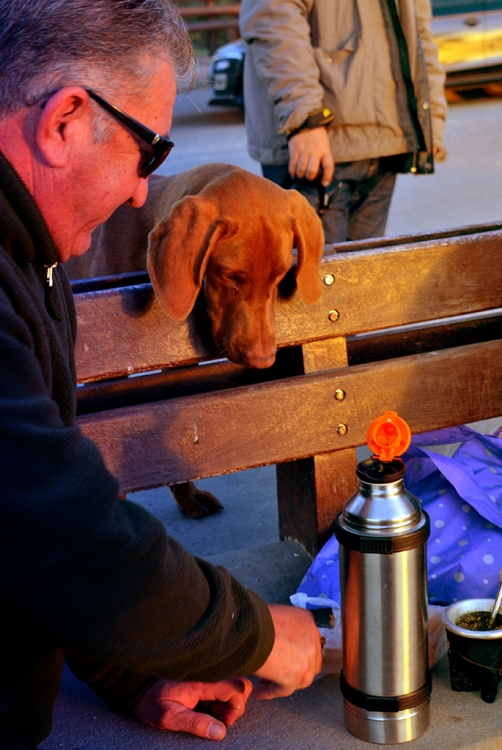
(138, 198)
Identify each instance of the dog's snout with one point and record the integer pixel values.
(259, 362)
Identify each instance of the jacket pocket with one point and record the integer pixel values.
(347, 84)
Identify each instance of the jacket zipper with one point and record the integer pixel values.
(49, 287)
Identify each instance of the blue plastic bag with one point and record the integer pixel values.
(463, 496)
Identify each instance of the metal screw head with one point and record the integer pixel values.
(333, 315)
(342, 429)
(329, 279)
(339, 394)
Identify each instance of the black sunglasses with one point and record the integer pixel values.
(161, 146)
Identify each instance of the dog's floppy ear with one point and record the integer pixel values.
(309, 242)
(178, 250)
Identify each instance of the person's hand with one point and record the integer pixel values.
(296, 655)
(435, 152)
(309, 152)
(200, 708)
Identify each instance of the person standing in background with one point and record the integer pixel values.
(339, 98)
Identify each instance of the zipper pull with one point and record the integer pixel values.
(49, 286)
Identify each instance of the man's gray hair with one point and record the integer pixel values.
(48, 44)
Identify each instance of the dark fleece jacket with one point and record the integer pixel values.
(81, 572)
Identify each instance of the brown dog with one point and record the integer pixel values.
(229, 232)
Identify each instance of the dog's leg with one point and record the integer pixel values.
(193, 501)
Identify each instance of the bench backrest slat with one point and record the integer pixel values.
(373, 289)
(214, 433)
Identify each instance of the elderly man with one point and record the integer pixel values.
(83, 574)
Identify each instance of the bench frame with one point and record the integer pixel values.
(412, 324)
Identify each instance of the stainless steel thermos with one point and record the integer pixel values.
(382, 533)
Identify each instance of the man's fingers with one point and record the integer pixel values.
(313, 166)
(328, 169)
(230, 699)
(296, 656)
(298, 165)
(199, 708)
(309, 150)
(233, 706)
(228, 713)
(305, 165)
(265, 691)
(177, 718)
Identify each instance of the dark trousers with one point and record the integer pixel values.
(355, 205)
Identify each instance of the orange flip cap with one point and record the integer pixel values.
(388, 436)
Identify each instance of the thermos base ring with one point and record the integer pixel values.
(386, 720)
(387, 728)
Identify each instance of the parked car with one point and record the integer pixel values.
(226, 70)
(468, 34)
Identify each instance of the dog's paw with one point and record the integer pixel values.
(193, 502)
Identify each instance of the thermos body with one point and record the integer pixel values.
(388, 654)
(385, 680)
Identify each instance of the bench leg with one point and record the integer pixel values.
(311, 492)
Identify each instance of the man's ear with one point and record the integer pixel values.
(63, 118)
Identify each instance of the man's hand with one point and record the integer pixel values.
(296, 655)
(179, 706)
(309, 152)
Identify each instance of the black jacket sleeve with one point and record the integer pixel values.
(99, 574)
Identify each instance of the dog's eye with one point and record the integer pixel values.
(235, 278)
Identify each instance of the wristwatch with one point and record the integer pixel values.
(315, 120)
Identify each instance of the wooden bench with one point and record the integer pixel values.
(411, 324)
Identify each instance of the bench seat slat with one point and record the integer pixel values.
(211, 434)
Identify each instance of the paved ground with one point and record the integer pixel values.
(310, 720)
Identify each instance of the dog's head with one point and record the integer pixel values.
(235, 239)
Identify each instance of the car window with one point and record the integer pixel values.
(451, 7)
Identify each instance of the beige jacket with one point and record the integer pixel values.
(306, 54)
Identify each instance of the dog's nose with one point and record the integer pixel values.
(259, 362)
